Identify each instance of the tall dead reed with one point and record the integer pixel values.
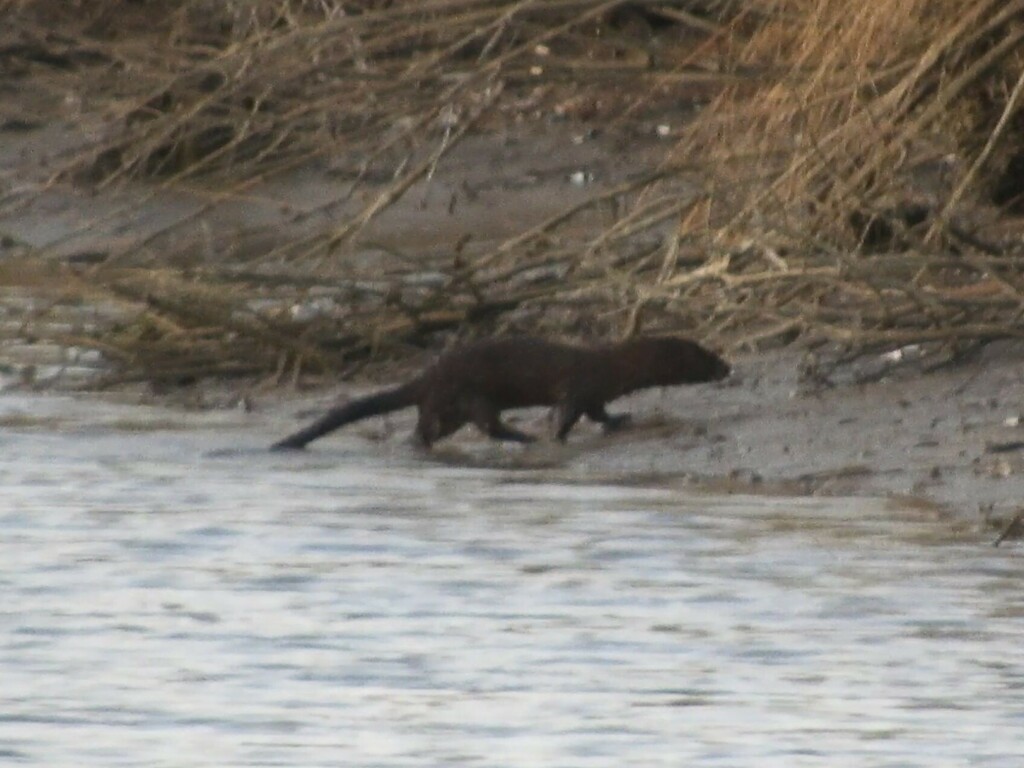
(853, 192)
(841, 185)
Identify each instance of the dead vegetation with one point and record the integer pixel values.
(882, 149)
(853, 178)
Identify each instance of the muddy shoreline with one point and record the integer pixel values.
(950, 438)
(950, 442)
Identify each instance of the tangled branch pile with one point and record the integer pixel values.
(849, 181)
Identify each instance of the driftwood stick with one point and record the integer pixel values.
(1013, 529)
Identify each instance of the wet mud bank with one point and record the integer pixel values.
(952, 439)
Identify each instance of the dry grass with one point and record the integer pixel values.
(839, 167)
(862, 161)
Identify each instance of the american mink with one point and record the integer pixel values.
(475, 383)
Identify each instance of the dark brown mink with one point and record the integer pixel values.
(476, 382)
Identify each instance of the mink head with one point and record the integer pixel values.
(685, 361)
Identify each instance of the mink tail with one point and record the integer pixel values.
(387, 401)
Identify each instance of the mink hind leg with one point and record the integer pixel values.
(488, 420)
(566, 413)
(433, 425)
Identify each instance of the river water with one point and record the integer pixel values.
(359, 605)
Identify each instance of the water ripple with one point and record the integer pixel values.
(162, 610)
